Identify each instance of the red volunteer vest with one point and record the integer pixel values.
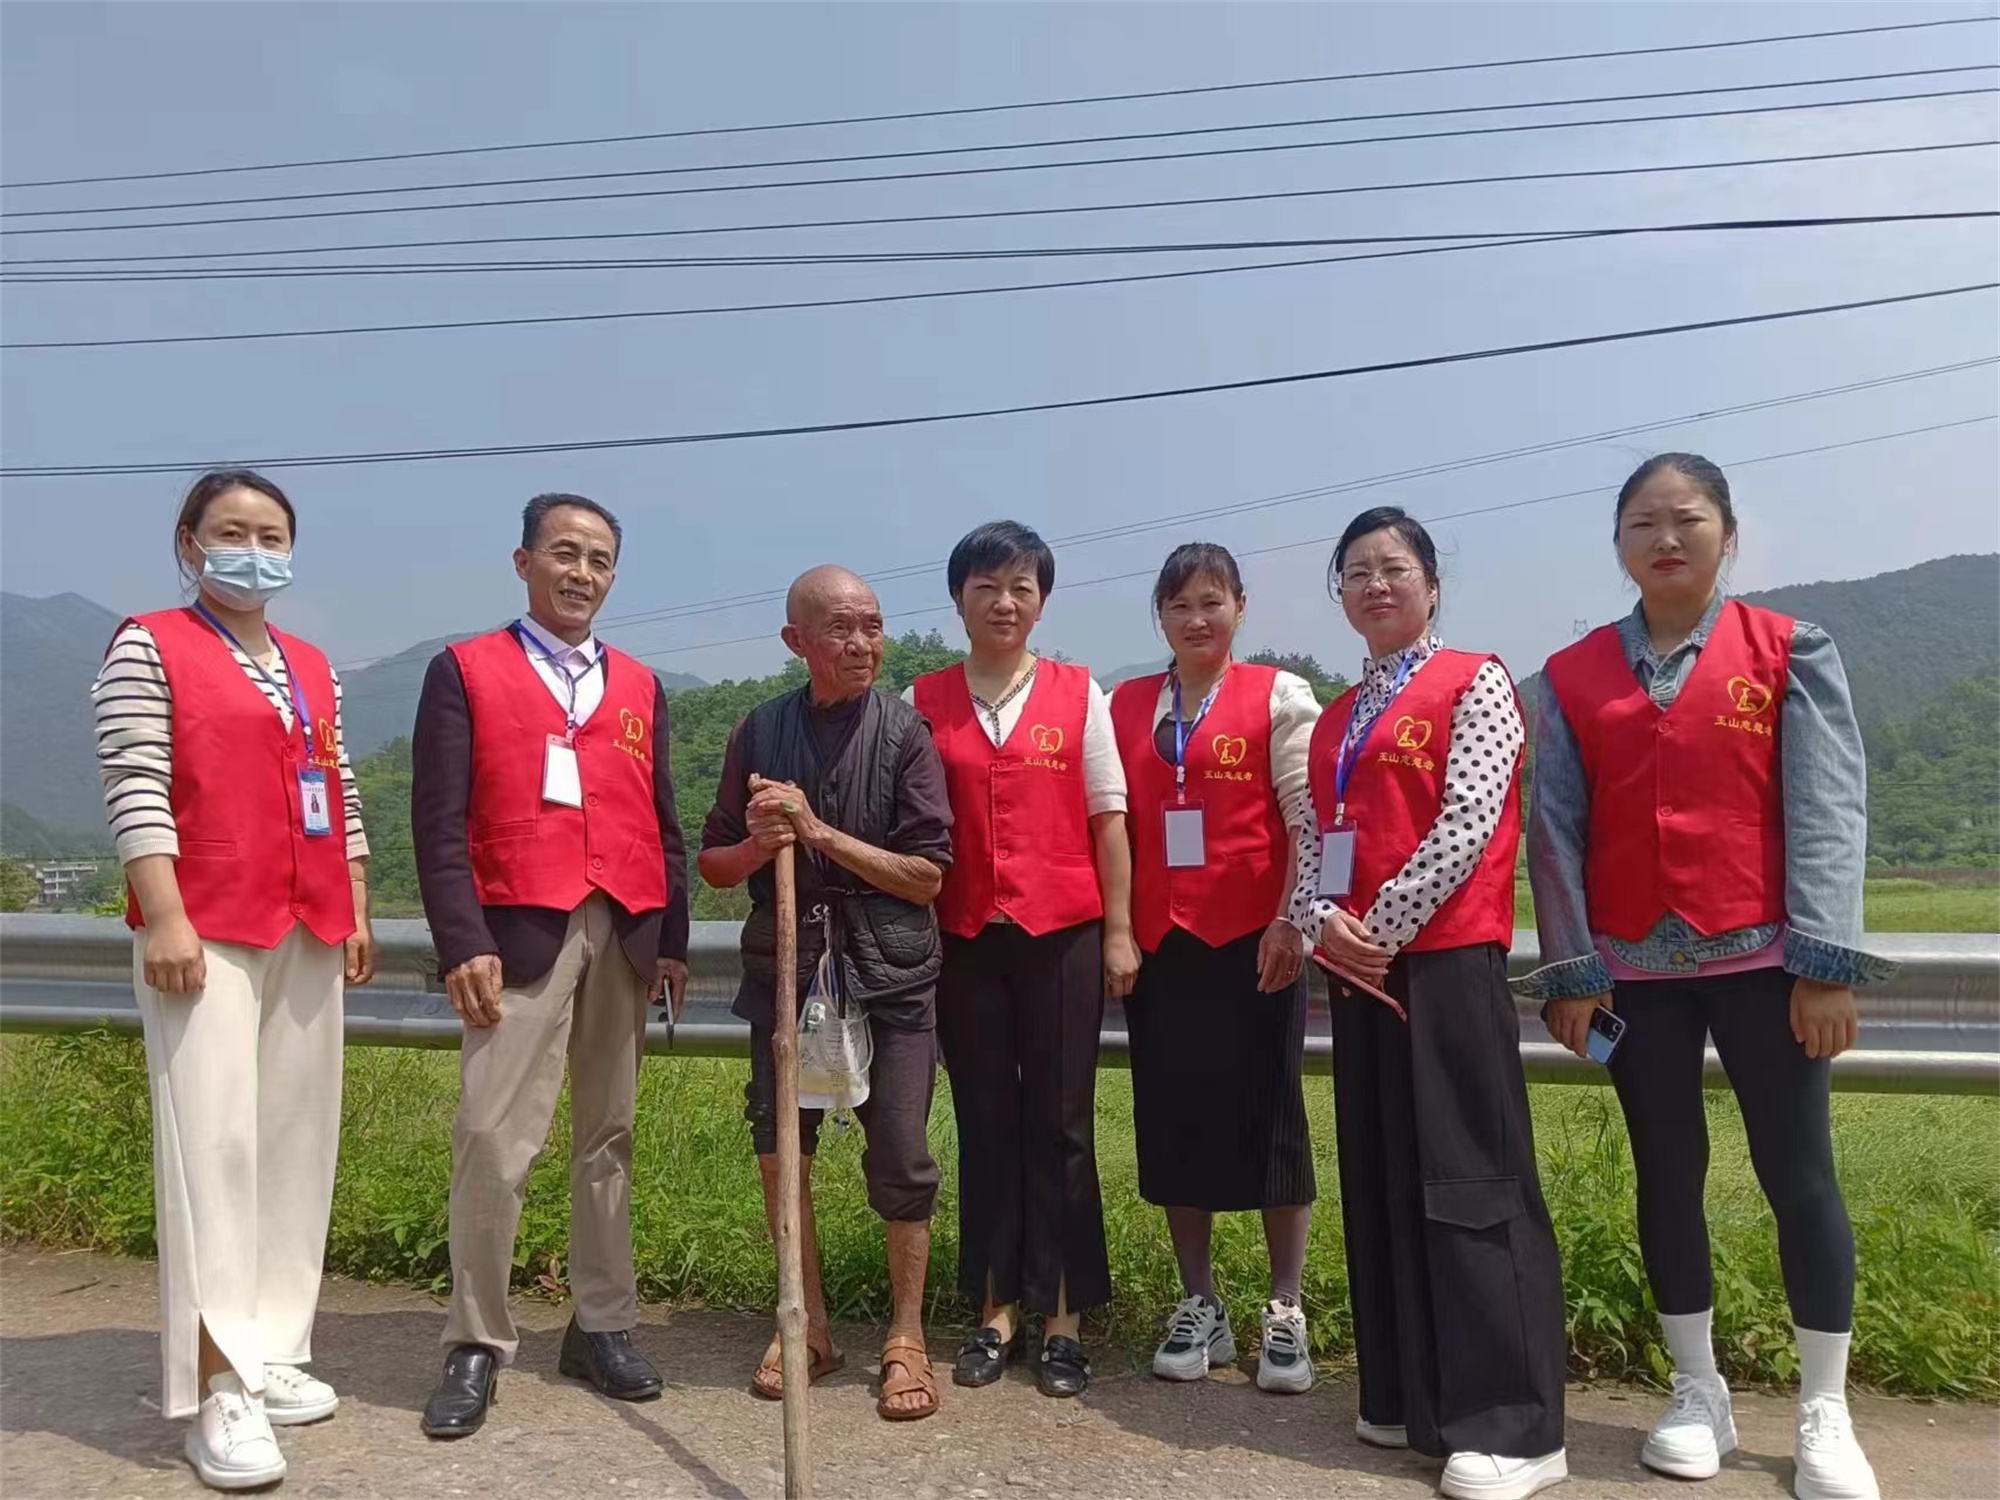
(1229, 774)
(1394, 794)
(1020, 831)
(528, 852)
(247, 871)
(1687, 808)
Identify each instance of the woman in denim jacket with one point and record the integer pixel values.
(1697, 844)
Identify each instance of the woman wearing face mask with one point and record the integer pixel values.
(1407, 883)
(1697, 849)
(1215, 767)
(1036, 912)
(227, 786)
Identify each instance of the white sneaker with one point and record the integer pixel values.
(1198, 1337)
(1696, 1434)
(230, 1443)
(293, 1398)
(1381, 1434)
(1830, 1464)
(1283, 1365)
(1486, 1476)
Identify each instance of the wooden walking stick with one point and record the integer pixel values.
(794, 1357)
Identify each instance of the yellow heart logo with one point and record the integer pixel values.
(1750, 698)
(1412, 734)
(1047, 740)
(1230, 750)
(633, 725)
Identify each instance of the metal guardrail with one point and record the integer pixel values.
(1936, 1030)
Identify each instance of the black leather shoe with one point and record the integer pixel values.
(982, 1358)
(609, 1362)
(465, 1390)
(1065, 1369)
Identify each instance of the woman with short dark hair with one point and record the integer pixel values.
(1036, 913)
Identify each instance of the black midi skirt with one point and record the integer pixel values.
(1218, 1103)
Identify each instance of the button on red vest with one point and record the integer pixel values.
(1020, 830)
(247, 871)
(1393, 798)
(528, 852)
(1687, 808)
(1229, 774)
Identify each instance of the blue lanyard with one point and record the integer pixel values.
(1183, 737)
(569, 683)
(298, 689)
(1357, 734)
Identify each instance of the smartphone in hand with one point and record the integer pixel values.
(1607, 1029)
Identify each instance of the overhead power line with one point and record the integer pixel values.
(924, 257)
(1161, 522)
(324, 460)
(873, 299)
(1208, 152)
(1009, 213)
(1001, 108)
(1328, 540)
(929, 152)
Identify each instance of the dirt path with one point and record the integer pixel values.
(79, 1417)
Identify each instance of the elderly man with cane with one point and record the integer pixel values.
(848, 779)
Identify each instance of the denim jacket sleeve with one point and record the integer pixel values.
(1826, 818)
(1558, 833)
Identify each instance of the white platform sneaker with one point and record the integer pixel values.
(1198, 1339)
(1283, 1365)
(230, 1442)
(1487, 1476)
(292, 1398)
(1696, 1434)
(1829, 1462)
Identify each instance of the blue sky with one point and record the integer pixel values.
(392, 554)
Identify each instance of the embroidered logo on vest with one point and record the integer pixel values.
(634, 743)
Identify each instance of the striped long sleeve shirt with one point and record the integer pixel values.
(135, 743)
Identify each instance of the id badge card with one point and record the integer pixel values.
(1186, 838)
(313, 804)
(1336, 861)
(562, 782)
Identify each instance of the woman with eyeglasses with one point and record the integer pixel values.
(1215, 768)
(229, 794)
(1699, 839)
(1406, 882)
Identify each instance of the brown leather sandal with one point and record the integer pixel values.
(913, 1360)
(769, 1379)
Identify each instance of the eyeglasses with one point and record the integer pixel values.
(600, 563)
(1394, 577)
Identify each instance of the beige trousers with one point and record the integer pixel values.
(593, 1005)
(245, 1079)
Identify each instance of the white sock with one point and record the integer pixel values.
(1691, 1343)
(1822, 1364)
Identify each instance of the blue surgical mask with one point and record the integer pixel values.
(244, 577)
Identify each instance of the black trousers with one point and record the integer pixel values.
(1784, 1096)
(1018, 1019)
(1452, 1266)
(896, 1161)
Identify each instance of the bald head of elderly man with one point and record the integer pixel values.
(849, 776)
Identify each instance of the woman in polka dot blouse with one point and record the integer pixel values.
(1406, 883)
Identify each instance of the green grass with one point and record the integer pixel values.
(1954, 901)
(1922, 1180)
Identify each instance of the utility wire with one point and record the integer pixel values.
(932, 152)
(985, 109)
(325, 460)
(1140, 526)
(920, 257)
(1208, 152)
(1004, 213)
(872, 299)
